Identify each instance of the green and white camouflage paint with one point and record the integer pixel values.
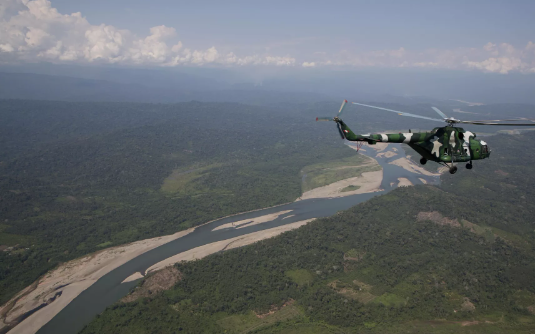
(442, 144)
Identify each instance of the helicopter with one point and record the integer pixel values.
(444, 145)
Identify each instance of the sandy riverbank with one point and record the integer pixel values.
(73, 277)
(70, 279)
(252, 221)
(367, 182)
(412, 167)
(77, 275)
(388, 154)
(404, 182)
(203, 251)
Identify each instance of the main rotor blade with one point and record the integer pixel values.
(341, 108)
(439, 112)
(340, 130)
(486, 123)
(323, 119)
(401, 113)
(505, 120)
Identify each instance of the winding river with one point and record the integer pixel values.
(109, 289)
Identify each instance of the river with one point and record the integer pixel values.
(109, 289)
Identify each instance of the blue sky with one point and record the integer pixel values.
(423, 34)
(375, 24)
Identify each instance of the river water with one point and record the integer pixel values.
(108, 289)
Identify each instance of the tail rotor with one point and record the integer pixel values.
(336, 119)
(340, 130)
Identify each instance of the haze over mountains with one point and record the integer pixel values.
(258, 85)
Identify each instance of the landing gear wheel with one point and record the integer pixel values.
(453, 170)
(423, 161)
(469, 166)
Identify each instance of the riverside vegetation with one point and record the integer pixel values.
(457, 258)
(79, 177)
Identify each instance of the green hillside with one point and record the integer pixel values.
(458, 258)
(78, 177)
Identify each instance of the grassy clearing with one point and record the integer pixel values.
(14, 239)
(350, 188)
(390, 299)
(322, 174)
(490, 234)
(302, 328)
(354, 255)
(300, 276)
(524, 298)
(512, 238)
(356, 290)
(182, 180)
(352, 160)
(406, 288)
(452, 327)
(246, 323)
(480, 230)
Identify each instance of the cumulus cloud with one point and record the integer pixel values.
(501, 65)
(33, 30)
(493, 58)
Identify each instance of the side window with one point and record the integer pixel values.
(446, 151)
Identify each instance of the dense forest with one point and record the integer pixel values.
(78, 177)
(454, 258)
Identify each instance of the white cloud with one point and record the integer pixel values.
(489, 47)
(6, 48)
(501, 65)
(34, 30)
(503, 58)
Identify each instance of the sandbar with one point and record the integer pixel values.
(135, 276)
(367, 182)
(411, 167)
(205, 250)
(71, 279)
(388, 154)
(404, 182)
(252, 221)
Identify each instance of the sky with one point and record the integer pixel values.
(482, 36)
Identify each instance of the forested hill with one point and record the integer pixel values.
(457, 258)
(78, 177)
(141, 87)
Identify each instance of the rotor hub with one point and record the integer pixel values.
(452, 120)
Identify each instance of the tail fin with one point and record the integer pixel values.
(348, 134)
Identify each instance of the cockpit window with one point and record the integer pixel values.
(484, 149)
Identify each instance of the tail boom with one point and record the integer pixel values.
(406, 138)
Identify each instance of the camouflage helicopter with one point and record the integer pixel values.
(447, 144)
